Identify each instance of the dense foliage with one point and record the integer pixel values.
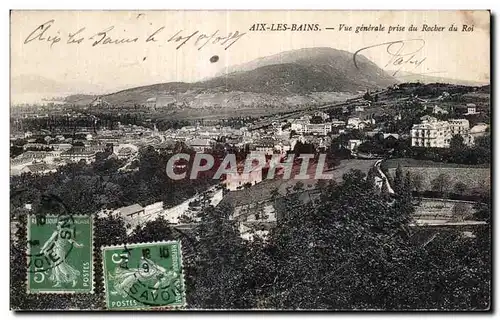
(351, 248)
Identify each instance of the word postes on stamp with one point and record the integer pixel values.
(60, 254)
(144, 276)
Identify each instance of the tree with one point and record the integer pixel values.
(320, 184)
(459, 188)
(370, 176)
(457, 143)
(352, 249)
(347, 227)
(458, 150)
(217, 275)
(417, 181)
(441, 183)
(247, 185)
(367, 96)
(399, 179)
(482, 149)
(298, 186)
(316, 119)
(372, 147)
(407, 184)
(460, 211)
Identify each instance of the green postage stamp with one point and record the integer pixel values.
(144, 276)
(60, 254)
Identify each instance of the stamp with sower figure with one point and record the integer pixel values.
(144, 276)
(60, 254)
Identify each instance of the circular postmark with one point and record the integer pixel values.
(153, 280)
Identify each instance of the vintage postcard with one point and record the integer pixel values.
(305, 160)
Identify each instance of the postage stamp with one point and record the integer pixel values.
(144, 276)
(60, 254)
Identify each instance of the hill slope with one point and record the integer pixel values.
(314, 70)
(293, 74)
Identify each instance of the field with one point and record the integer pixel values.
(476, 178)
(262, 191)
(408, 162)
(430, 209)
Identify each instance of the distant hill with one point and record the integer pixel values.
(80, 99)
(404, 76)
(308, 70)
(300, 73)
(34, 88)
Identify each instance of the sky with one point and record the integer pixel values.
(97, 64)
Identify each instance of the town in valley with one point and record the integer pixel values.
(272, 174)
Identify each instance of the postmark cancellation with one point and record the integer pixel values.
(144, 276)
(60, 254)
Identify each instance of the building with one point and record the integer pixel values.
(253, 213)
(322, 115)
(125, 153)
(264, 146)
(282, 147)
(61, 146)
(353, 144)
(131, 211)
(479, 129)
(99, 102)
(304, 126)
(471, 108)
(189, 128)
(200, 145)
(439, 110)
(461, 127)
(239, 179)
(298, 125)
(431, 133)
(93, 148)
(321, 129)
(36, 146)
(74, 155)
(38, 156)
(356, 123)
(337, 123)
(359, 108)
(394, 136)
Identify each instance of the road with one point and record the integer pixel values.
(383, 176)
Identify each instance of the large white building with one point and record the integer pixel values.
(432, 133)
(304, 126)
(321, 129)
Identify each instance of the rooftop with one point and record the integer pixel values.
(130, 209)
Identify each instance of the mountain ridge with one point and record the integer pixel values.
(301, 72)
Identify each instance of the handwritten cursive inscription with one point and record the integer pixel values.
(103, 37)
(399, 55)
(45, 33)
(41, 34)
